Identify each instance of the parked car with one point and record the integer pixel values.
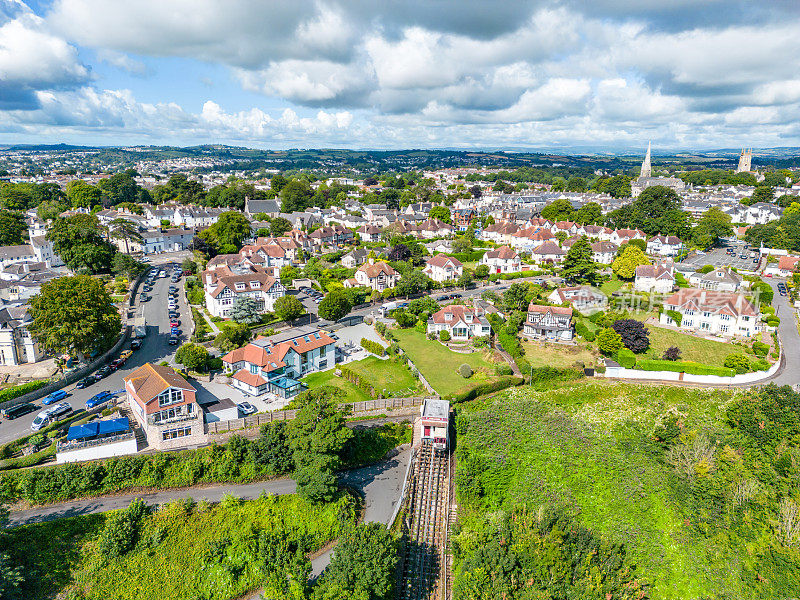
(174, 323)
(136, 344)
(246, 408)
(173, 340)
(145, 298)
(442, 298)
(126, 354)
(175, 331)
(51, 415)
(455, 295)
(98, 399)
(103, 371)
(116, 364)
(54, 397)
(14, 412)
(86, 382)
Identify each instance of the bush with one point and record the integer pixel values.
(547, 374)
(486, 388)
(504, 369)
(760, 365)
(444, 335)
(465, 371)
(633, 333)
(609, 341)
(21, 389)
(672, 353)
(626, 358)
(738, 362)
(373, 347)
(683, 367)
(121, 530)
(760, 349)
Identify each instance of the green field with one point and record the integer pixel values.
(182, 552)
(390, 375)
(438, 364)
(612, 458)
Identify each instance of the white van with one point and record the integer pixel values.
(51, 415)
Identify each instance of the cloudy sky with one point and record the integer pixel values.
(566, 74)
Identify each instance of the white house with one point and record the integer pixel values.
(502, 260)
(17, 346)
(223, 284)
(376, 275)
(369, 233)
(461, 322)
(354, 258)
(548, 253)
(721, 280)
(549, 322)
(443, 268)
(604, 252)
(712, 312)
(664, 245)
(275, 364)
(582, 297)
(659, 279)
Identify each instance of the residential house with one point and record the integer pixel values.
(659, 279)
(604, 252)
(502, 260)
(461, 322)
(712, 312)
(17, 346)
(223, 283)
(443, 268)
(431, 228)
(721, 280)
(376, 275)
(369, 233)
(463, 218)
(165, 406)
(664, 245)
(623, 236)
(549, 322)
(548, 253)
(271, 208)
(583, 298)
(356, 256)
(275, 364)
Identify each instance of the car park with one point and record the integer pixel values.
(86, 382)
(54, 397)
(18, 410)
(51, 415)
(98, 399)
(247, 409)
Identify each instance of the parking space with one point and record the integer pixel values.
(741, 258)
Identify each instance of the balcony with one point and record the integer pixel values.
(151, 420)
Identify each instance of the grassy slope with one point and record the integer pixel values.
(692, 348)
(553, 355)
(388, 375)
(176, 567)
(438, 364)
(576, 445)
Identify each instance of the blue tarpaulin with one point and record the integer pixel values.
(98, 428)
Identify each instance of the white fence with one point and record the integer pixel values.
(746, 378)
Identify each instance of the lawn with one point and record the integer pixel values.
(611, 286)
(183, 552)
(390, 376)
(692, 348)
(438, 364)
(554, 355)
(588, 450)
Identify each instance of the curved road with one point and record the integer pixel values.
(789, 336)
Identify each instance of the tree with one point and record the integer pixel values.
(317, 436)
(516, 297)
(295, 196)
(364, 562)
(634, 335)
(625, 264)
(12, 228)
(279, 226)
(413, 282)
(127, 266)
(465, 279)
(440, 212)
(79, 244)
(657, 210)
(82, 194)
(288, 308)
(74, 315)
(10, 574)
(232, 335)
(228, 233)
(672, 353)
(762, 193)
(589, 214)
(482, 271)
(123, 229)
(558, 210)
(579, 265)
(335, 305)
(271, 448)
(608, 341)
(476, 191)
(246, 309)
(192, 356)
(399, 252)
(713, 225)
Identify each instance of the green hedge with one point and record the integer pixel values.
(626, 358)
(692, 368)
(23, 462)
(356, 380)
(473, 256)
(486, 388)
(507, 276)
(546, 374)
(21, 389)
(373, 347)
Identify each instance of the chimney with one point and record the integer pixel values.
(703, 297)
(371, 260)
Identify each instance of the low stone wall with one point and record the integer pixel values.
(73, 376)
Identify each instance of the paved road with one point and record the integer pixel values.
(790, 338)
(154, 349)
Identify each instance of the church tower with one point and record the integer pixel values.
(647, 171)
(745, 161)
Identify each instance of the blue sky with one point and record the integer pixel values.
(559, 74)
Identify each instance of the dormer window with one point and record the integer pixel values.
(239, 286)
(255, 284)
(448, 317)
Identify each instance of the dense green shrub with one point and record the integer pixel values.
(21, 389)
(760, 365)
(626, 358)
(487, 388)
(465, 371)
(358, 381)
(503, 369)
(121, 530)
(760, 349)
(444, 335)
(373, 347)
(692, 368)
(549, 374)
(738, 362)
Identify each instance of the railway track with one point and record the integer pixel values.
(426, 526)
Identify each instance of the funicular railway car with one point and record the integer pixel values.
(433, 424)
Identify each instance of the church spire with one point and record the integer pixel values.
(646, 169)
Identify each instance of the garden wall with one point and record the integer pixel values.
(618, 372)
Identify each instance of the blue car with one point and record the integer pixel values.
(98, 399)
(54, 397)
